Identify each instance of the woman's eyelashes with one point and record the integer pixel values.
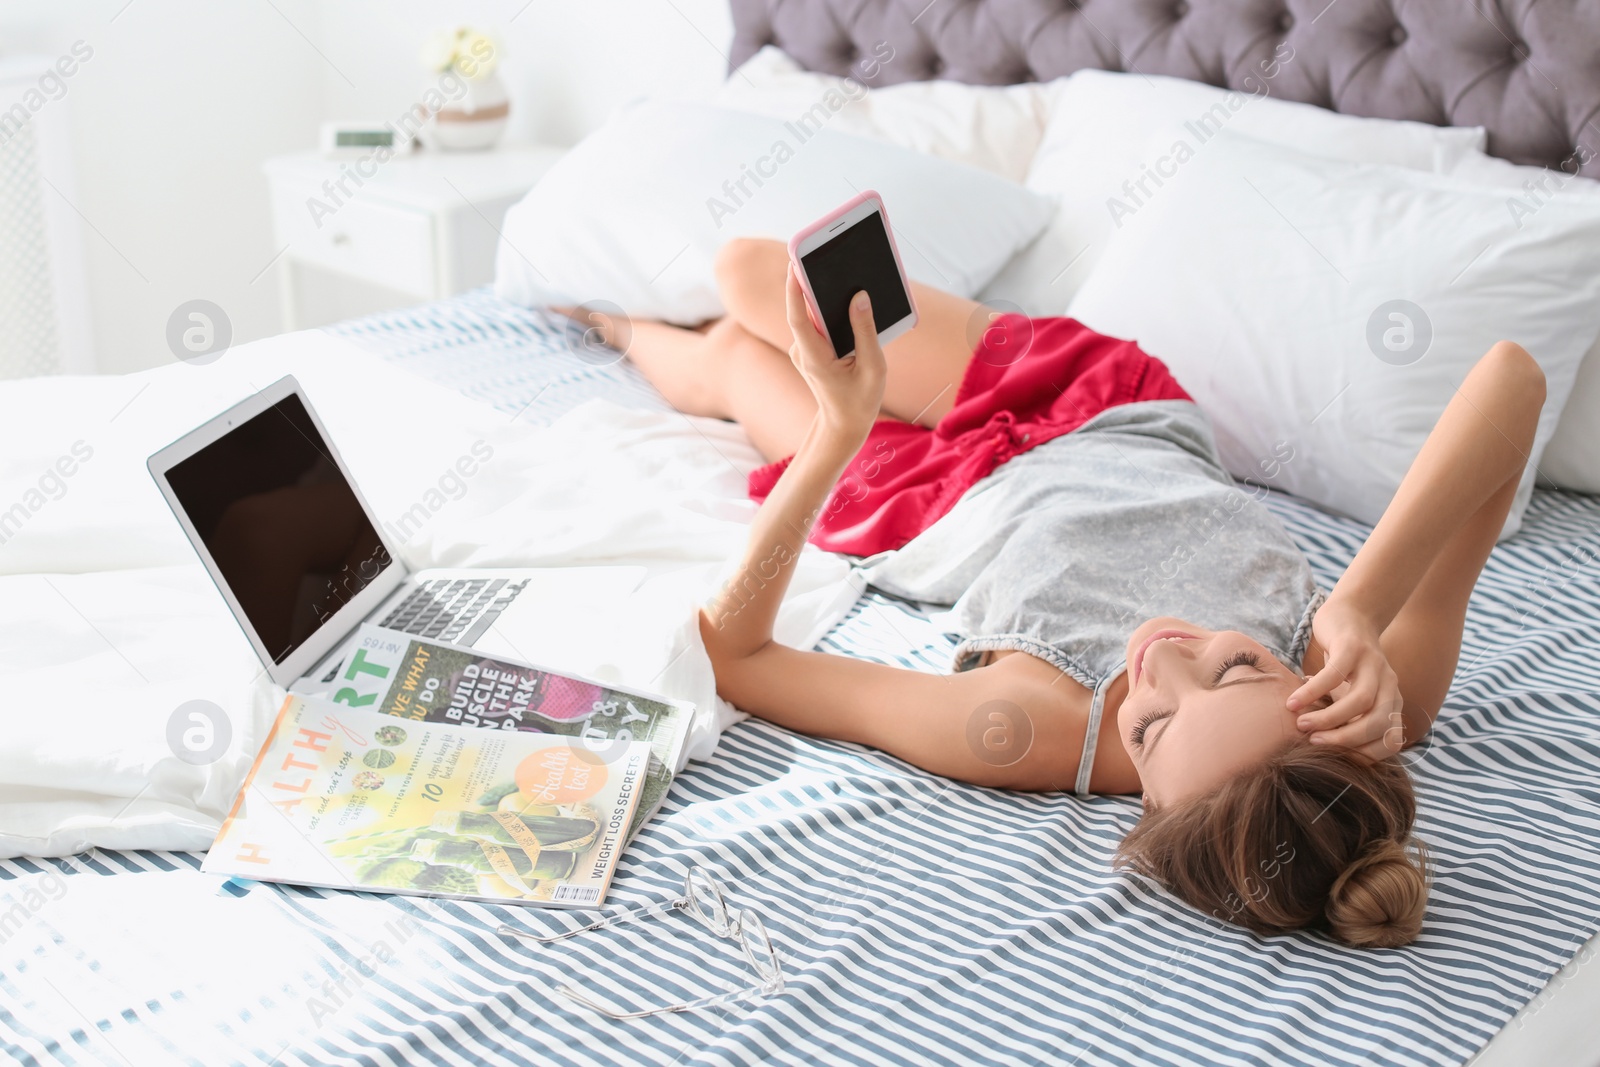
(1244, 657)
(1145, 722)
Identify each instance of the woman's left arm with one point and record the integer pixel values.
(1392, 626)
(926, 719)
(849, 393)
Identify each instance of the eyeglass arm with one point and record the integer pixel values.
(584, 999)
(610, 920)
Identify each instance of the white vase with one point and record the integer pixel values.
(475, 121)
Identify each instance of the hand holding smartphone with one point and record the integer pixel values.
(839, 255)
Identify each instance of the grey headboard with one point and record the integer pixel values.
(1527, 70)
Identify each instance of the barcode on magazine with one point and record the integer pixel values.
(576, 894)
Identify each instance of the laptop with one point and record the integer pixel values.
(302, 560)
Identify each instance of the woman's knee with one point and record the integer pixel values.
(749, 273)
(732, 344)
(1516, 365)
(740, 258)
(745, 360)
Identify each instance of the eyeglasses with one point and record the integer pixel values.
(703, 899)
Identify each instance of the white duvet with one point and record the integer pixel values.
(108, 623)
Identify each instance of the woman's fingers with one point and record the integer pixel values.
(1349, 699)
(1317, 686)
(794, 301)
(1370, 712)
(1341, 713)
(1380, 743)
(1350, 736)
(1324, 718)
(849, 392)
(800, 325)
(1360, 730)
(1390, 708)
(865, 330)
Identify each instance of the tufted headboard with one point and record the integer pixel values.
(1527, 70)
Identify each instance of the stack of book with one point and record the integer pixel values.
(426, 768)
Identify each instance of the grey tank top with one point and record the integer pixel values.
(1064, 549)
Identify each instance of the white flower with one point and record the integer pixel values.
(439, 50)
(476, 53)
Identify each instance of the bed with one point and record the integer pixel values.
(919, 920)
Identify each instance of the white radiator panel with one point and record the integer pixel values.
(29, 342)
(44, 326)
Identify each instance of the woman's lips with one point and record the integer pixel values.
(1159, 635)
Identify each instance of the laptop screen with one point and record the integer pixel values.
(287, 532)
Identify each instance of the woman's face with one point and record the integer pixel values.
(1201, 706)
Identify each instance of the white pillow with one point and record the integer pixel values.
(1108, 129)
(996, 128)
(1572, 459)
(1267, 281)
(635, 213)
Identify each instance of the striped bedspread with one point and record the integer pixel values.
(919, 921)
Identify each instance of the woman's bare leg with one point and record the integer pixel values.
(739, 367)
(720, 371)
(689, 372)
(925, 364)
(763, 391)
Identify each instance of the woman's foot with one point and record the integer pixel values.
(604, 326)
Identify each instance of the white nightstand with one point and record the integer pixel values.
(423, 225)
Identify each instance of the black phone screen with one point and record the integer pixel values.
(854, 259)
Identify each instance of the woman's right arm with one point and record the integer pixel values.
(1405, 594)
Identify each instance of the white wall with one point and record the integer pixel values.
(171, 116)
(566, 63)
(183, 100)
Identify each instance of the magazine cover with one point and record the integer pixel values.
(427, 681)
(352, 799)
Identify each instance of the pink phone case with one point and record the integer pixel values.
(828, 220)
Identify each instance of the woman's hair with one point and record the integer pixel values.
(1314, 837)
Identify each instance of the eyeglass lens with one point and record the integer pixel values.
(758, 948)
(706, 901)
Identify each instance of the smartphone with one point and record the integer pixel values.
(848, 250)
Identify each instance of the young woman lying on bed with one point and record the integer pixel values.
(1115, 568)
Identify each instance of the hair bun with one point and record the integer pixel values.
(1379, 900)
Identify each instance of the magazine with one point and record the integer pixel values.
(352, 799)
(427, 681)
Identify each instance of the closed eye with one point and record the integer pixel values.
(1242, 658)
(1147, 720)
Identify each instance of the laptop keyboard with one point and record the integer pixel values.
(455, 611)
